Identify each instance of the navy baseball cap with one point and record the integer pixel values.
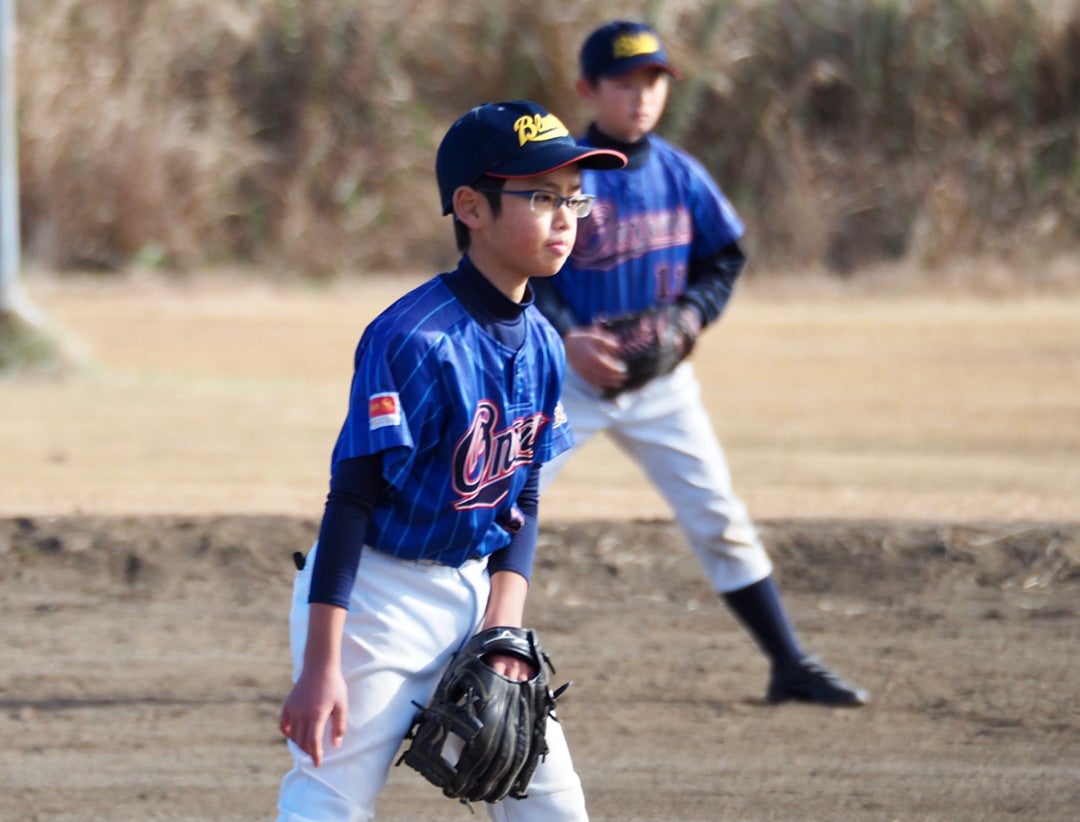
(510, 140)
(621, 47)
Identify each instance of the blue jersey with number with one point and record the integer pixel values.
(459, 418)
(648, 224)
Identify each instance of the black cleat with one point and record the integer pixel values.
(808, 680)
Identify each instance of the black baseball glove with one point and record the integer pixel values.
(653, 342)
(482, 735)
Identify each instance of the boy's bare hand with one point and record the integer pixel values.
(314, 699)
(594, 354)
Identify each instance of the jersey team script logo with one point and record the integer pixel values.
(537, 128)
(485, 459)
(605, 241)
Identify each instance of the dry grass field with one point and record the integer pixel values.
(224, 395)
(914, 463)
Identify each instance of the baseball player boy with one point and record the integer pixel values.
(662, 233)
(429, 529)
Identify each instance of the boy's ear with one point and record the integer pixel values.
(468, 206)
(585, 89)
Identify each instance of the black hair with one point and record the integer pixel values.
(461, 231)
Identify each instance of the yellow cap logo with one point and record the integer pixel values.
(537, 128)
(631, 45)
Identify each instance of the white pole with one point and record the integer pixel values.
(10, 299)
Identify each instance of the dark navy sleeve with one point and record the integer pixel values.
(519, 554)
(553, 305)
(712, 280)
(355, 485)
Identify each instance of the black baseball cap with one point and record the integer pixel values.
(510, 140)
(621, 47)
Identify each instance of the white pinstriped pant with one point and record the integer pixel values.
(405, 621)
(666, 430)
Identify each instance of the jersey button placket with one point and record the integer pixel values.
(520, 389)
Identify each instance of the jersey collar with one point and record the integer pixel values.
(481, 298)
(637, 154)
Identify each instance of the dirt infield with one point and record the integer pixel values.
(914, 465)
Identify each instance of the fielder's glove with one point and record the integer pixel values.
(482, 735)
(653, 342)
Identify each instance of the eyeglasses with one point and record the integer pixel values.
(548, 202)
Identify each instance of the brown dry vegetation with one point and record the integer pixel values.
(300, 136)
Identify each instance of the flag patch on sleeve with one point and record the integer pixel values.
(384, 409)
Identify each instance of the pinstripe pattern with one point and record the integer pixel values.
(633, 252)
(485, 414)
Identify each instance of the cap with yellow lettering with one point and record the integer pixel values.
(510, 140)
(621, 47)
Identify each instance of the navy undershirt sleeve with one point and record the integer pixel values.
(553, 305)
(519, 554)
(355, 485)
(712, 280)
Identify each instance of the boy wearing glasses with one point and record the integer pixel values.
(663, 233)
(429, 529)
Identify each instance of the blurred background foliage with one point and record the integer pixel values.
(298, 136)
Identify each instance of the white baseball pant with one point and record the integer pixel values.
(405, 621)
(666, 430)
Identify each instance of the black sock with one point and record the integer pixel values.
(759, 608)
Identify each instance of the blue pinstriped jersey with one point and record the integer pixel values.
(648, 224)
(459, 418)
